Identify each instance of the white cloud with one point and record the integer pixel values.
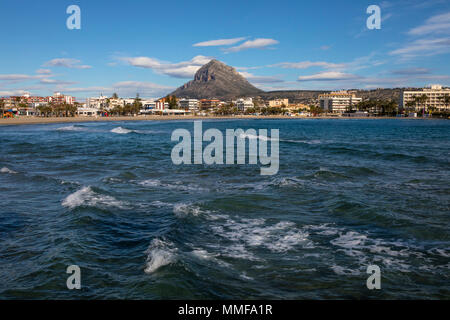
(15, 77)
(147, 89)
(308, 64)
(97, 90)
(219, 42)
(253, 44)
(329, 76)
(423, 47)
(411, 71)
(14, 92)
(260, 79)
(439, 24)
(43, 71)
(140, 84)
(125, 89)
(55, 82)
(184, 69)
(67, 63)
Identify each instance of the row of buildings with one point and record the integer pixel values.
(426, 99)
(434, 98)
(27, 105)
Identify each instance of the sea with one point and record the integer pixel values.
(106, 197)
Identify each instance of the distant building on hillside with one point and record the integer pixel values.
(244, 104)
(279, 102)
(338, 102)
(434, 93)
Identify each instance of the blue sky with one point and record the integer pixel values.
(152, 47)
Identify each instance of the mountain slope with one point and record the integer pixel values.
(216, 80)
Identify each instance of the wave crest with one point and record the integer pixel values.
(159, 253)
(86, 197)
(7, 170)
(120, 130)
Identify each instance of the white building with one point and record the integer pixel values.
(58, 97)
(188, 104)
(87, 112)
(244, 104)
(338, 102)
(97, 102)
(114, 103)
(434, 93)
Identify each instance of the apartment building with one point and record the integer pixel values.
(338, 102)
(244, 104)
(435, 94)
(189, 104)
(100, 102)
(59, 98)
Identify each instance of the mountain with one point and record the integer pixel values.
(216, 80)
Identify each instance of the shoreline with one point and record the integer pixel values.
(43, 120)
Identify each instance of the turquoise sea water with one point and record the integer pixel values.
(106, 197)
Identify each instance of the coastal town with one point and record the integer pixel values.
(433, 101)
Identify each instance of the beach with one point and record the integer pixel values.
(43, 120)
(49, 120)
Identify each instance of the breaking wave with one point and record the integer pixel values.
(182, 210)
(120, 130)
(87, 197)
(72, 128)
(159, 253)
(7, 170)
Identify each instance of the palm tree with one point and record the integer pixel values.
(421, 100)
(446, 100)
(410, 106)
(2, 105)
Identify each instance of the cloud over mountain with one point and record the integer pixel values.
(184, 69)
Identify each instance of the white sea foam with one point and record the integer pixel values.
(325, 229)
(350, 240)
(442, 252)
(120, 130)
(178, 185)
(71, 128)
(280, 237)
(182, 210)
(88, 197)
(160, 204)
(252, 136)
(159, 253)
(202, 254)
(7, 170)
(150, 183)
(344, 271)
(245, 276)
(303, 141)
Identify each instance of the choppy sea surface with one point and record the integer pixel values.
(106, 197)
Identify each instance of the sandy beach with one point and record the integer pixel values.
(44, 120)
